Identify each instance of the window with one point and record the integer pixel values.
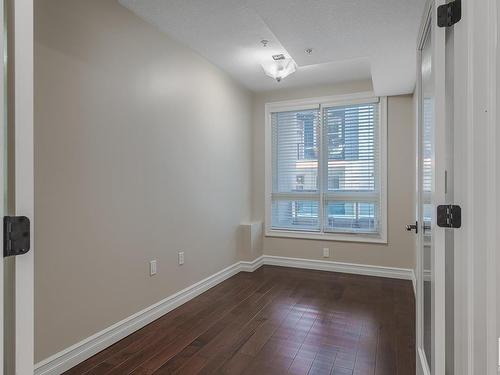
(325, 168)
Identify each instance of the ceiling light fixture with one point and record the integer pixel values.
(279, 67)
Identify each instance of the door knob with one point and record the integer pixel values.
(410, 227)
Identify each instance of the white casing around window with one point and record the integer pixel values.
(283, 188)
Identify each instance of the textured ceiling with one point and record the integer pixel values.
(351, 40)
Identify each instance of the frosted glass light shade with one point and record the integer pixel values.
(279, 69)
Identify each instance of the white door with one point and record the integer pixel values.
(16, 178)
(432, 160)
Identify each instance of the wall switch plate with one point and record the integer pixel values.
(326, 252)
(181, 258)
(152, 268)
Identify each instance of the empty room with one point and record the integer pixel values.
(250, 187)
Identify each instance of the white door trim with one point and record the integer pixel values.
(24, 182)
(476, 189)
(492, 319)
(438, 257)
(3, 154)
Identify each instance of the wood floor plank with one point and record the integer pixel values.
(218, 333)
(231, 338)
(275, 321)
(172, 341)
(180, 318)
(175, 317)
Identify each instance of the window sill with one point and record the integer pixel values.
(341, 237)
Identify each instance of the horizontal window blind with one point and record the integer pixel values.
(351, 163)
(295, 193)
(325, 169)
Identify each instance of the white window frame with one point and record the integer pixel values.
(320, 102)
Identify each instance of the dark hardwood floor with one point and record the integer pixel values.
(276, 321)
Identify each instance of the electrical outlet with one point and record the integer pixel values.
(326, 252)
(152, 268)
(181, 258)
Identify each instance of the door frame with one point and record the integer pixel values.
(3, 166)
(23, 29)
(476, 182)
(477, 186)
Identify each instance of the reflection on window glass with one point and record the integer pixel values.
(428, 113)
(427, 155)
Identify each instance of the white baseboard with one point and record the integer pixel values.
(414, 282)
(357, 269)
(79, 352)
(422, 367)
(70, 357)
(251, 265)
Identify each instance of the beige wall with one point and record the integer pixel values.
(142, 149)
(400, 250)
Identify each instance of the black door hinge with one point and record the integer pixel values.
(449, 14)
(449, 216)
(16, 235)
